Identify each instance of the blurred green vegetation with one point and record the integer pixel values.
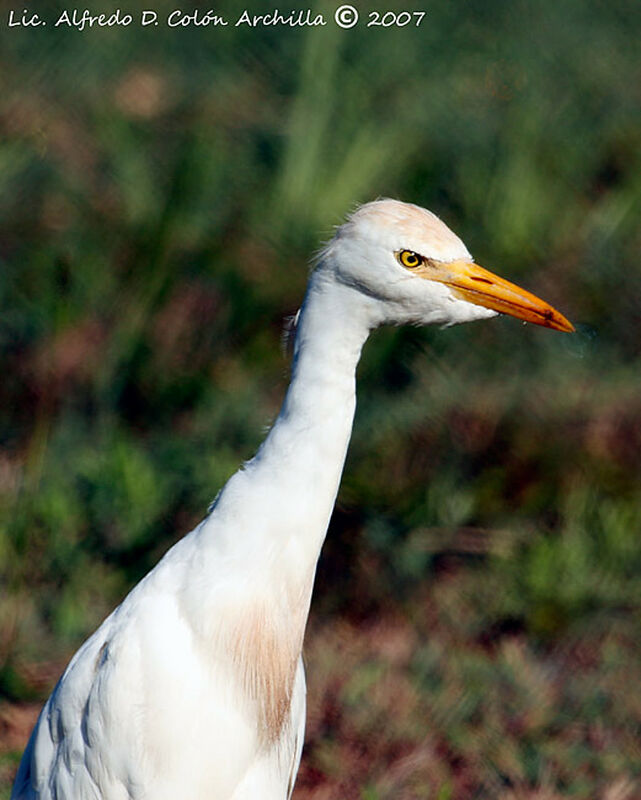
(477, 619)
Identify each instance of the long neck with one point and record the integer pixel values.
(285, 495)
(306, 448)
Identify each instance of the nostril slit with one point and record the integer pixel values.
(481, 280)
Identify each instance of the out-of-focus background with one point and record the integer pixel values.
(476, 627)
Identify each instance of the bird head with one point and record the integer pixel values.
(416, 271)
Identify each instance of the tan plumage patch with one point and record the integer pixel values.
(265, 647)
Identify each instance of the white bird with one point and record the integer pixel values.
(193, 688)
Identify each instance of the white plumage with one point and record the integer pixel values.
(194, 687)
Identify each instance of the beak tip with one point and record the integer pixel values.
(563, 324)
(476, 285)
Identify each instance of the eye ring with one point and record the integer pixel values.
(409, 259)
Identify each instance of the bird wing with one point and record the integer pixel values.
(144, 707)
(61, 759)
(150, 707)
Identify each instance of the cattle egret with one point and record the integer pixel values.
(193, 688)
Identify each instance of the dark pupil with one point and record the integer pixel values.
(411, 259)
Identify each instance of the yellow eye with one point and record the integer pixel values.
(410, 259)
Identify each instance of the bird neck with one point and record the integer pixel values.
(306, 448)
(283, 498)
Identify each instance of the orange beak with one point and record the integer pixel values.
(483, 288)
